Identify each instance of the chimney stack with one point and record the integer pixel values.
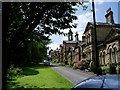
(109, 16)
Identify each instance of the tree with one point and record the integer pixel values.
(21, 19)
(24, 17)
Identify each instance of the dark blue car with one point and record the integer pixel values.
(100, 82)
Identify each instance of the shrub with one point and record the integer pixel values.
(13, 72)
(94, 69)
(75, 66)
(112, 69)
(71, 64)
(82, 64)
(62, 64)
(117, 68)
(104, 70)
(54, 61)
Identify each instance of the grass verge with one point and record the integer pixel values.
(40, 77)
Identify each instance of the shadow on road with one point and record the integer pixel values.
(53, 65)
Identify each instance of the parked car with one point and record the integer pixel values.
(46, 62)
(100, 82)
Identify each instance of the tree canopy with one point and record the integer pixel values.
(28, 22)
(22, 18)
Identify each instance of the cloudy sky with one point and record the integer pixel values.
(86, 16)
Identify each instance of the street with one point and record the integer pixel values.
(74, 76)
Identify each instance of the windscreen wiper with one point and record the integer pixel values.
(103, 82)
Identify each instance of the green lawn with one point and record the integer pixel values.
(40, 77)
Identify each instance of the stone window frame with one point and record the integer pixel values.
(111, 55)
(109, 49)
(115, 52)
(88, 38)
(104, 57)
(100, 58)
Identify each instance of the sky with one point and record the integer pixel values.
(86, 16)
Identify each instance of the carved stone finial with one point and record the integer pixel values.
(70, 35)
(76, 36)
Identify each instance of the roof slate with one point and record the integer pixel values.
(90, 24)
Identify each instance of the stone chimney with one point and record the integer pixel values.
(70, 35)
(109, 16)
(76, 36)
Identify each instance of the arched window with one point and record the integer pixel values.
(87, 39)
(84, 55)
(104, 58)
(115, 55)
(111, 56)
(100, 58)
(89, 55)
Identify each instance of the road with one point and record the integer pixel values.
(74, 76)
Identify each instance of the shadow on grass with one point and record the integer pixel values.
(12, 84)
(40, 67)
(33, 70)
(29, 71)
(16, 85)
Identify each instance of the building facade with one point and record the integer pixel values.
(108, 43)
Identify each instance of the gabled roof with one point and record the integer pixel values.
(81, 43)
(90, 25)
(114, 34)
(117, 30)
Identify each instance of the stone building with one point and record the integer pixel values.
(108, 40)
(55, 54)
(108, 43)
(67, 48)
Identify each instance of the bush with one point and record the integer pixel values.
(71, 64)
(82, 64)
(112, 69)
(75, 66)
(62, 64)
(104, 70)
(13, 72)
(54, 61)
(117, 68)
(94, 69)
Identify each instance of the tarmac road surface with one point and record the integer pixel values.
(74, 76)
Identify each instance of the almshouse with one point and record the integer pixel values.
(108, 43)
